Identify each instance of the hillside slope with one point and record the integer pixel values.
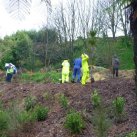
(79, 99)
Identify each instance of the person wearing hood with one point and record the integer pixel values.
(65, 71)
(85, 68)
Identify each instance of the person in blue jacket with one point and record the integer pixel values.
(76, 77)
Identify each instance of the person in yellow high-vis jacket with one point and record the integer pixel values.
(65, 71)
(85, 68)
(9, 72)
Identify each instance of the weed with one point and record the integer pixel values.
(74, 122)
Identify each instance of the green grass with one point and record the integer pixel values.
(106, 48)
(46, 77)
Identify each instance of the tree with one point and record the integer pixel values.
(133, 26)
(20, 8)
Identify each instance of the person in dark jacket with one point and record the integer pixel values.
(76, 77)
(115, 65)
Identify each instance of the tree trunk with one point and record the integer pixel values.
(135, 59)
(133, 27)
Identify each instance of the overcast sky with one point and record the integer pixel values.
(35, 20)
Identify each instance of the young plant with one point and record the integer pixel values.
(41, 112)
(26, 120)
(30, 103)
(74, 122)
(118, 105)
(101, 122)
(96, 99)
(63, 101)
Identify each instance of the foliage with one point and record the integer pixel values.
(27, 49)
(95, 98)
(101, 122)
(41, 112)
(74, 122)
(63, 101)
(106, 48)
(132, 134)
(29, 103)
(4, 119)
(118, 105)
(26, 117)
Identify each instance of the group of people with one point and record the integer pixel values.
(10, 71)
(80, 70)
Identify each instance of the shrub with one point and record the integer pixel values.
(30, 102)
(63, 101)
(118, 105)
(74, 122)
(41, 113)
(95, 98)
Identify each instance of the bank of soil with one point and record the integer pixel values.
(79, 99)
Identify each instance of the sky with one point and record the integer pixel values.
(35, 20)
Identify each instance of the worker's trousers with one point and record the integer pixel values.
(77, 73)
(8, 77)
(65, 77)
(85, 77)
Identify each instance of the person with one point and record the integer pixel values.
(65, 71)
(115, 65)
(14, 68)
(77, 70)
(9, 72)
(85, 68)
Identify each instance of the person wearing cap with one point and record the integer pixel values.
(65, 71)
(77, 70)
(85, 68)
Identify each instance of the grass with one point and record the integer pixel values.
(46, 77)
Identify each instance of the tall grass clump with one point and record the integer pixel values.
(118, 106)
(74, 122)
(4, 122)
(132, 134)
(29, 103)
(63, 101)
(96, 99)
(101, 122)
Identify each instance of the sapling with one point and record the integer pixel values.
(96, 99)
(118, 105)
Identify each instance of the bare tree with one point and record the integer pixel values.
(110, 8)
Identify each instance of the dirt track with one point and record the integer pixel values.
(79, 98)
